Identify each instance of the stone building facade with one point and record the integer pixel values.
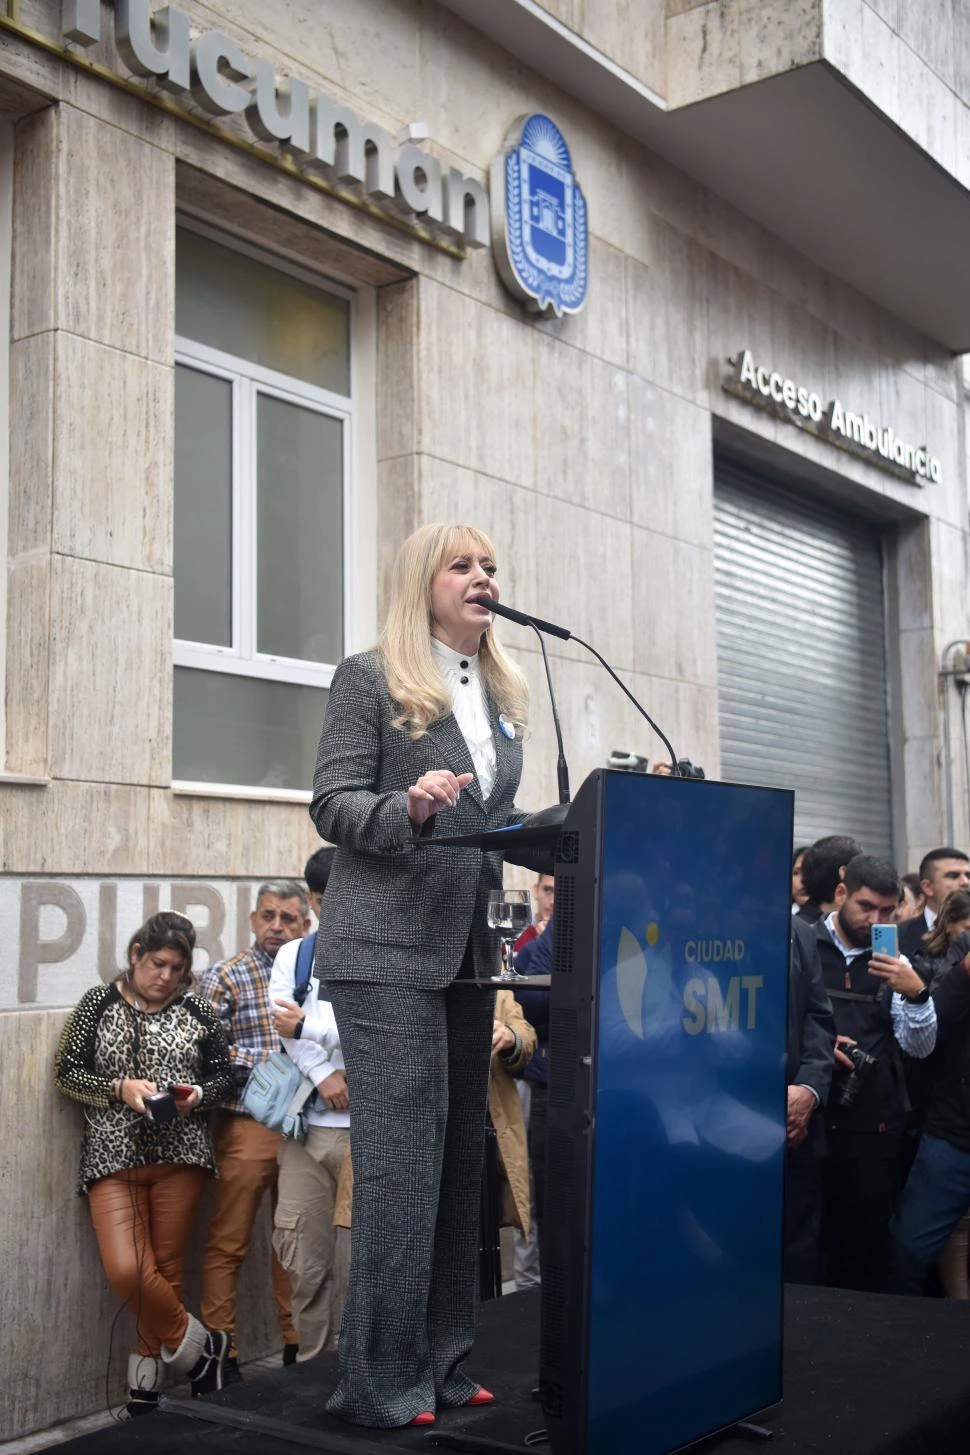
(195, 289)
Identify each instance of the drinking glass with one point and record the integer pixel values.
(509, 912)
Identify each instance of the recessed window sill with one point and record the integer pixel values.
(236, 790)
(23, 780)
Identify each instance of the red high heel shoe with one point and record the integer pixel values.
(424, 1418)
(483, 1396)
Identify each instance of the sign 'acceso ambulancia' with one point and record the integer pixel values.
(878, 443)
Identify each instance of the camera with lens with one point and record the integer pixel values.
(687, 769)
(863, 1070)
(160, 1106)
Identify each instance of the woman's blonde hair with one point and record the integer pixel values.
(413, 680)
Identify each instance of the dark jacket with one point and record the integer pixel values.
(948, 1111)
(811, 1026)
(861, 1005)
(911, 942)
(535, 958)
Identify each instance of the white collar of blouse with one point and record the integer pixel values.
(449, 659)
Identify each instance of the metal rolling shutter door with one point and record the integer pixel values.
(801, 657)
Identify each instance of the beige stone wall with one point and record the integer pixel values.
(912, 61)
(630, 32)
(89, 576)
(713, 46)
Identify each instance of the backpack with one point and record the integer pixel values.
(304, 967)
(276, 1091)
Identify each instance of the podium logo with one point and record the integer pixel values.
(643, 989)
(644, 982)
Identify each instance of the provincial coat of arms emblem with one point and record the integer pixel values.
(540, 236)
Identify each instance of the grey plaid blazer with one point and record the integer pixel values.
(394, 912)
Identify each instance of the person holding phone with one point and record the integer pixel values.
(881, 1009)
(145, 1055)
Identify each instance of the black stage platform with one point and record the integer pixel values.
(864, 1375)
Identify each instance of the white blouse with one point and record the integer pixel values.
(468, 703)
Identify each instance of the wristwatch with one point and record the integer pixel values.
(919, 999)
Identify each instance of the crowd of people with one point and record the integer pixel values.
(878, 1151)
(879, 1174)
(376, 1209)
(158, 1028)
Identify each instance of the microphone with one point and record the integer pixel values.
(510, 614)
(539, 626)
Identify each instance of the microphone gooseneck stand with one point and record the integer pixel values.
(550, 628)
(639, 707)
(562, 771)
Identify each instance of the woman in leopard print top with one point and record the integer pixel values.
(144, 1177)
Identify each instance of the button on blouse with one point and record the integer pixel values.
(463, 679)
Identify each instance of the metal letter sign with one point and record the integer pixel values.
(539, 230)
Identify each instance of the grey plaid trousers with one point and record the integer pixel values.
(417, 1070)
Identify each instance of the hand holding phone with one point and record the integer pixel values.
(885, 964)
(885, 941)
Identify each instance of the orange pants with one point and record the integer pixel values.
(246, 1154)
(142, 1219)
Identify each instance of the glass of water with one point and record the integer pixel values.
(509, 912)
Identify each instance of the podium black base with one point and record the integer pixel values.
(864, 1375)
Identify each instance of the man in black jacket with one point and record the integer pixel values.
(940, 872)
(810, 1060)
(881, 1007)
(938, 1191)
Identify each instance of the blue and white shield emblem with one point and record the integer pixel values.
(540, 236)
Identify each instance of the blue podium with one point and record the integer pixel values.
(662, 1248)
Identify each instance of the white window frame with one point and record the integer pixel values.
(359, 513)
(248, 381)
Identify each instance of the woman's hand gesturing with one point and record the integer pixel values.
(433, 792)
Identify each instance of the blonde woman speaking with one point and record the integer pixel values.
(427, 724)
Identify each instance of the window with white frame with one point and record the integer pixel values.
(262, 462)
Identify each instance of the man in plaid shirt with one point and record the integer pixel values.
(246, 1152)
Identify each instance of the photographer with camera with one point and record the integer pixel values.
(144, 1056)
(881, 1008)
